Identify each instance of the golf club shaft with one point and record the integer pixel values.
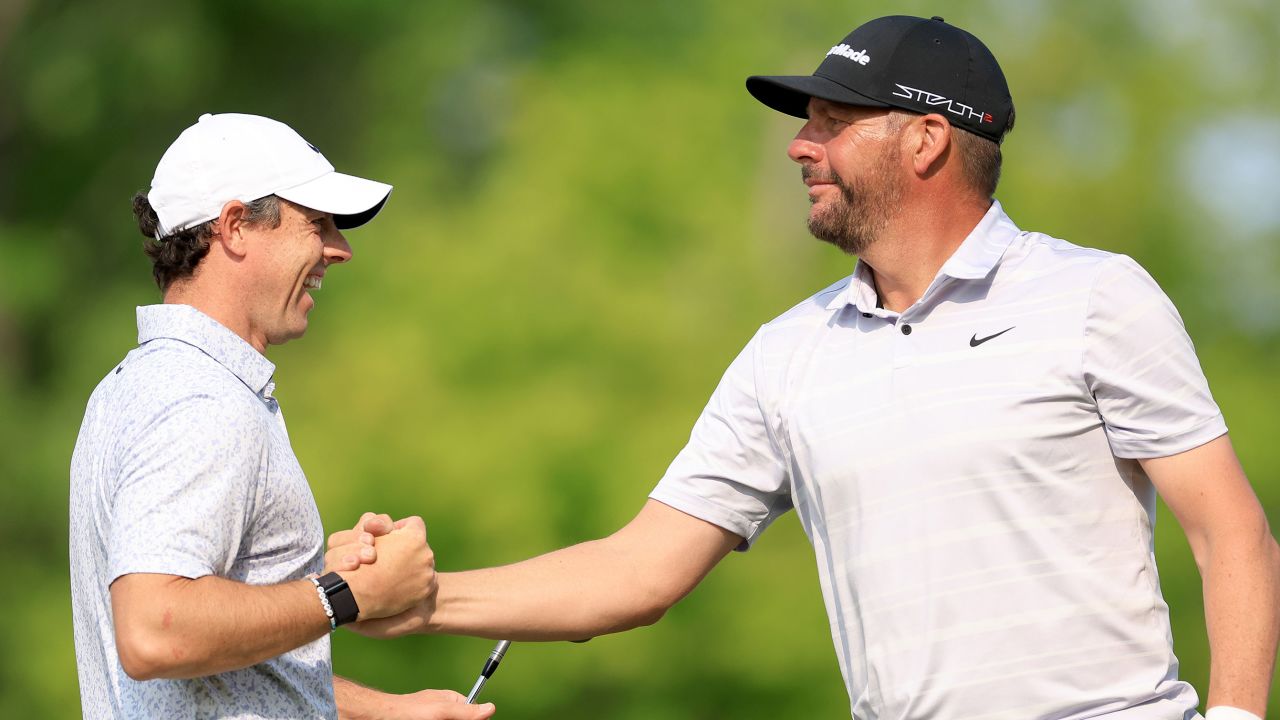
(475, 690)
(490, 665)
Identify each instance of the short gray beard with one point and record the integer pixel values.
(869, 205)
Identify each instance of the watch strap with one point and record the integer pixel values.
(341, 599)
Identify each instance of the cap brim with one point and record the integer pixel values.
(353, 201)
(790, 93)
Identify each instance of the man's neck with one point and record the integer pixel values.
(208, 301)
(908, 256)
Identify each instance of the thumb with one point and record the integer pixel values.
(378, 525)
(476, 712)
(460, 710)
(415, 520)
(412, 525)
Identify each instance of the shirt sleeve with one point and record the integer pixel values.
(186, 489)
(731, 473)
(1142, 369)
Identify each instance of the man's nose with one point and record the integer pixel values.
(336, 248)
(803, 148)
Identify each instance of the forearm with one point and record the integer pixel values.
(603, 586)
(578, 592)
(1242, 612)
(351, 698)
(173, 627)
(357, 702)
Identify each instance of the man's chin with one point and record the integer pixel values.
(819, 220)
(840, 239)
(821, 228)
(284, 335)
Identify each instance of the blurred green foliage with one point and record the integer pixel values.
(591, 217)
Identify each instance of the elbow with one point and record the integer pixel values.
(647, 609)
(146, 656)
(139, 657)
(641, 609)
(150, 642)
(631, 618)
(650, 602)
(649, 615)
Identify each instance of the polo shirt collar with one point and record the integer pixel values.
(186, 324)
(982, 249)
(976, 257)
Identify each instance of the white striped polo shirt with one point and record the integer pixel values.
(967, 473)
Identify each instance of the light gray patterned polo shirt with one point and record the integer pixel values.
(183, 467)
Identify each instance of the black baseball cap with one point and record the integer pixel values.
(910, 63)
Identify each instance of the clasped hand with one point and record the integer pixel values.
(392, 573)
(389, 565)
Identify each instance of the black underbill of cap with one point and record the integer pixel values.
(790, 94)
(346, 222)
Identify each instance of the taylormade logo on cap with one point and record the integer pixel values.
(246, 157)
(861, 57)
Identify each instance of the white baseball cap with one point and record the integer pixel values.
(231, 156)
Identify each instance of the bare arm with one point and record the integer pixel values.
(1239, 564)
(175, 627)
(357, 702)
(626, 580)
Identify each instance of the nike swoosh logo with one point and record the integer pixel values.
(975, 342)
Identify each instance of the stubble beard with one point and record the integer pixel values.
(867, 206)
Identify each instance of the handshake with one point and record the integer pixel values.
(391, 571)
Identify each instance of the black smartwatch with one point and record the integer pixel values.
(340, 598)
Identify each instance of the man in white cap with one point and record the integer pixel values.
(972, 428)
(199, 582)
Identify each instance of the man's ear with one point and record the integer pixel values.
(231, 226)
(933, 136)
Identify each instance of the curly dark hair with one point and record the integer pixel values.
(175, 256)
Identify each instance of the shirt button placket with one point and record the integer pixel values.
(903, 347)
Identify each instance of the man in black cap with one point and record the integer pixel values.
(972, 428)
